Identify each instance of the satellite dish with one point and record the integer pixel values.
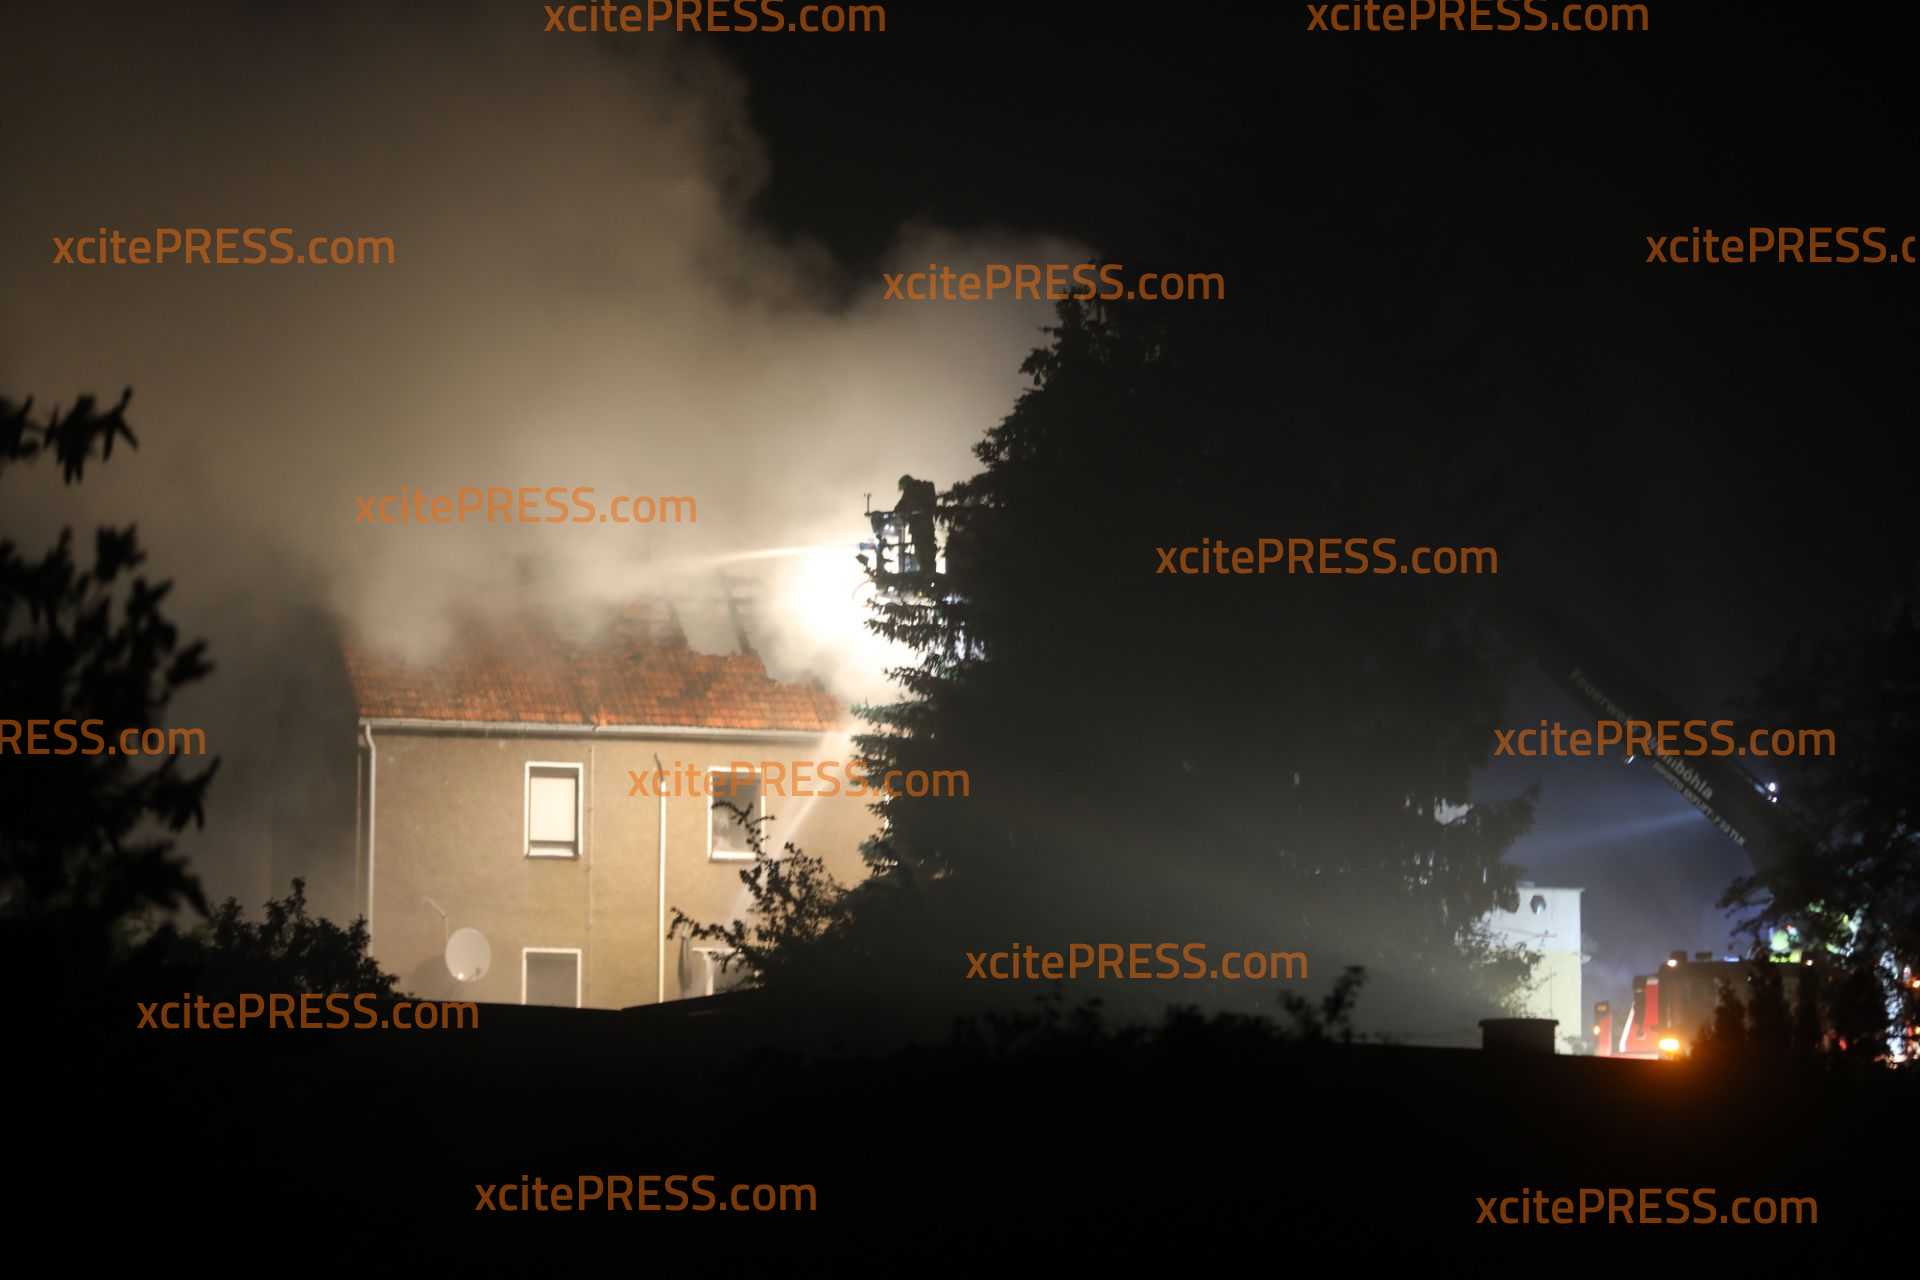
(468, 955)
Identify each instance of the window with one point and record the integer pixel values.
(550, 976)
(553, 810)
(726, 832)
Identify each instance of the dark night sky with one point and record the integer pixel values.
(1446, 228)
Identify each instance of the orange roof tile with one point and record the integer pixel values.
(638, 671)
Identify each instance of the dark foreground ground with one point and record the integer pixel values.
(1210, 1150)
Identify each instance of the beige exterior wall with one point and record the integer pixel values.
(1548, 924)
(1556, 994)
(450, 815)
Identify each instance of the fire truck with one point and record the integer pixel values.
(1674, 1004)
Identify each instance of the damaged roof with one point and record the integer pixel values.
(638, 670)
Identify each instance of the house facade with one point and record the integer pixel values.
(1548, 923)
(544, 803)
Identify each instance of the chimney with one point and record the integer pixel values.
(1517, 1035)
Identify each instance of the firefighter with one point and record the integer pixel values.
(916, 508)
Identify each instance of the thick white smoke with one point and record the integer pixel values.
(579, 297)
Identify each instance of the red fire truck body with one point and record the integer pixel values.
(1674, 1005)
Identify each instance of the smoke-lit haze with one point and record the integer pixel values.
(580, 298)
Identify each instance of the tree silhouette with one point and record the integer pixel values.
(1724, 1042)
(1853, 889)
(287, 951)
(1174, 751)
(1333, 1019)
(79, 850)
(1769, 1023)
(1809, 1026)
(796, 911)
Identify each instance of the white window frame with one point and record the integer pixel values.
(730, 855)
(579, 806)
(579, 968)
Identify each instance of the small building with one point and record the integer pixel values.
(557, 795)
(1548, 922)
